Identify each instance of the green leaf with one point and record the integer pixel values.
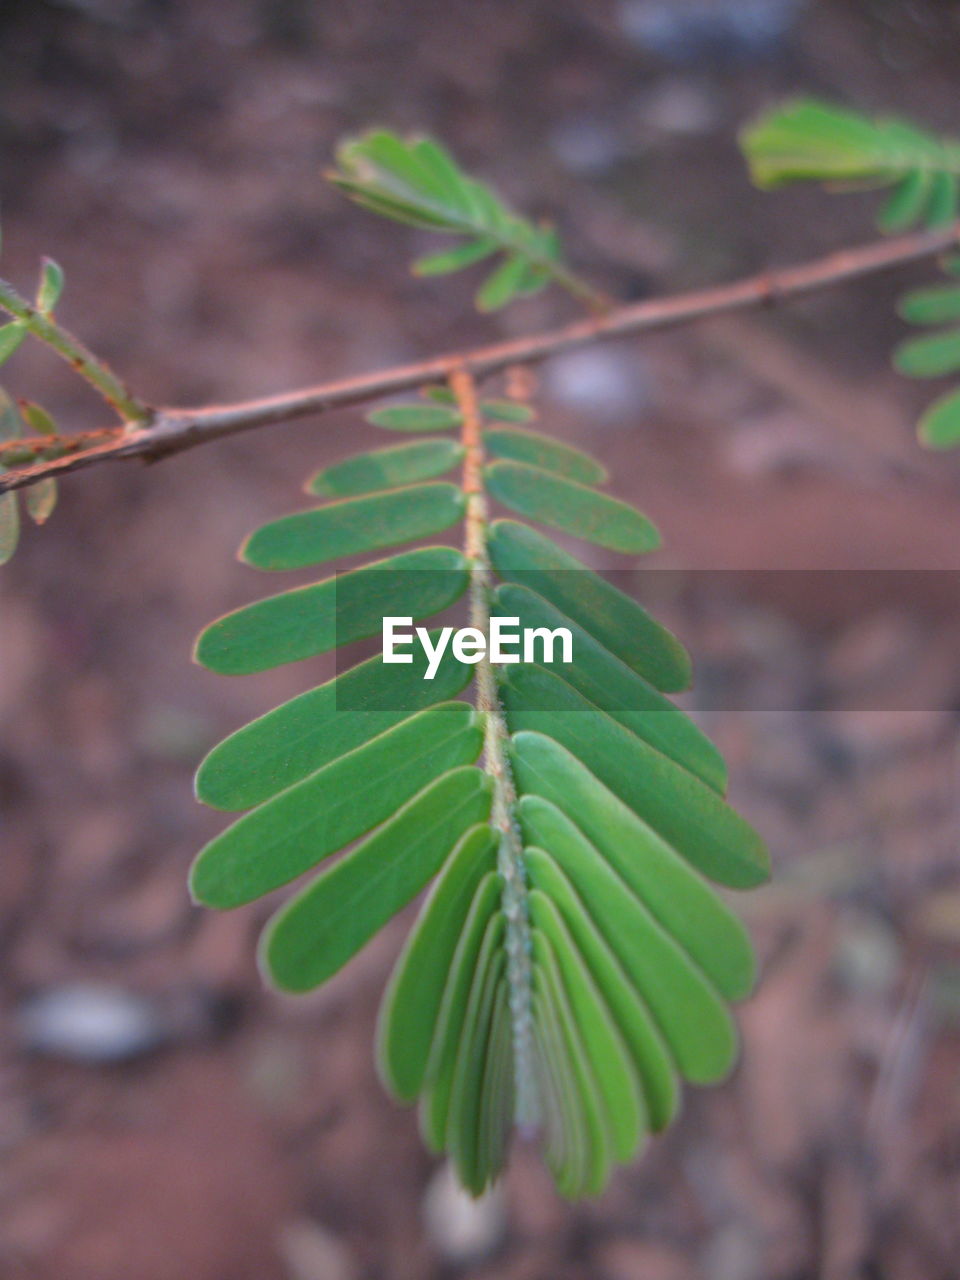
(51, 286)
(9, 525)
(37, 419)
(569, 1042)
(496, 1103)
(417, 182)
(804, 139)
(354, 525)
(572, 507)
(937, 305)
(322, 928)
(679, 807)
(384, 468)
(295, 830)
(306, 733)
(906, 203)
(463, 1127)
(565, 1146)
(11, 426)
(940, 426)
(11, 336)
(411, 1003)
(650, 1056)
(351, 606)
(520, 554)
(689, 1014)
(502, 285)
(547, 454)
(929, 357)
(40, 500)
(942, 207)
(506, 411)
(441, 1064)
(612, 1068)
(616, 689)
(681, 903)
(495, 410)
(416, 417)
(464, 255)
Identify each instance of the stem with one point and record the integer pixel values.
(496, 760)
(43, 326)
(174, 430)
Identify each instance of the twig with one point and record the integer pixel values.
(174, 430)
(77, 355)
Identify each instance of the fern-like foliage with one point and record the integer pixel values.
(417, 181)
(570, 965)
(807, 140)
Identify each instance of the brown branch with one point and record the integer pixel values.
(174, 430)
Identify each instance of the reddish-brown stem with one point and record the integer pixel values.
(175, 430)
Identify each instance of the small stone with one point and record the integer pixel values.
(586, 147)
(680, 107)
(607, 384)
(89, 1024)
(463, 1230)
(687, 31)
(310, 1252)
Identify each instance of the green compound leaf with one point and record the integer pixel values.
(807, 140)
(354, 525)
(545, 453)
(416, 182)
(572, 980)
(572, 507)
(812, 140)
(415, 417)
(384, 468)
(312, 937)
(309, 620)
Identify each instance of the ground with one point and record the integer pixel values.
(170, 156)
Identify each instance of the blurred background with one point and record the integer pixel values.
(164, 1117)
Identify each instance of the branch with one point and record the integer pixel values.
(174, 430)
(42, 325)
